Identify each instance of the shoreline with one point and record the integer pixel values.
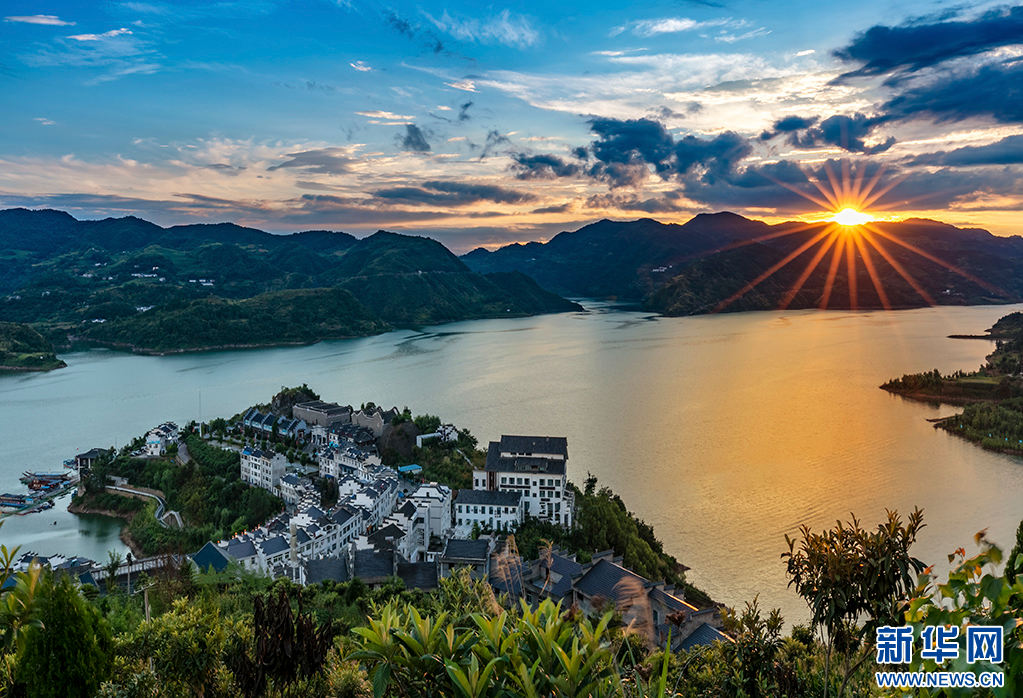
(127, 517)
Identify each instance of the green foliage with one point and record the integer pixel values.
(70, 653)
(848, 574)
(995, 426)
(973, 595)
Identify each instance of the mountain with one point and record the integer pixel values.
(129, 282)
(621, 259)
(724, 262)
(24, 349)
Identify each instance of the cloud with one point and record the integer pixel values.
(437, 193)
(49, 20)
(670, 25)
(414, 139)
(542, 166)
(504, 28)
(914, 46)
(100, 37)
(1007, 151)
(391, 116)
(464, 85)
(846, 132)
(494, 139)
(807, 52)
(44, 121)
(361, 67)
(463, 111)
(319, 161)
(991, 90)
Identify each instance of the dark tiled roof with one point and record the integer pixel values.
(318, 570)
(274, 545)
(671, 601)
(603, 579)
(373, 564)
(521, 464)
(703, 635)
(238, 549)
(459, 549)
(408, 508)
(567, 569)
(385, 538)
(210, 556)
(485, 497)
(418, 575)
(555, 445)
(290, 478)
(341, 516)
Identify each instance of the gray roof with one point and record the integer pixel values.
(238, 548)
(486, 497)
(341, 516)
(384, 538)
(603, 579)
(418, 575)
(274, 545)
(567, 568)
(373, 564)
(332, 568)
(671, 601)
(290, 478)
(703, 635)
(521, 464)
(210, 555)
(473, 550)
(556, 445)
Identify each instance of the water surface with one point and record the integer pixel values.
(724, 432)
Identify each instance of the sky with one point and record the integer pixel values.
(489, 124)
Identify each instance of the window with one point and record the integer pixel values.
(557, 494)
(459, 508)
(504, 480)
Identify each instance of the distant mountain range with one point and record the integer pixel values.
(128, 282)
(724, 262)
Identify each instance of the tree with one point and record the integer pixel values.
(111, 568)
(71, 652)
(849, 573)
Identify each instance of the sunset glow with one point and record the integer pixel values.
(849, 217)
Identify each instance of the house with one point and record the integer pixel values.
(535, 467)
(322, 414)
(159, 438)
(652, 608)
(84, 461)
(262, 468)
(437, 499)
(294, 488)
(459, 553)
(347, 458)
(492, 511)
(374, 418)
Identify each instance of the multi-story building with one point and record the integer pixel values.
(263, 468)
(535, 467)
(346, 458)
(320, 413)
(159, 438)
(493, 511)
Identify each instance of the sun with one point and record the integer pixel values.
(849, 216)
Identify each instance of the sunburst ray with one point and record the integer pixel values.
(810, 267)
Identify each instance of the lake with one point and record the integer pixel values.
(724, 432)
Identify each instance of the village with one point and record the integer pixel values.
(347, 515)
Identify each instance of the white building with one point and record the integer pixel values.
(263, 468)
(377, 500)
(437, 499)
(159, 438)
(535, 467)
(347, 459)
(493, 511)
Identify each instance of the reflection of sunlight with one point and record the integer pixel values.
(850, 232)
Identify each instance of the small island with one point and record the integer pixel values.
(992, 396)
(22, 348)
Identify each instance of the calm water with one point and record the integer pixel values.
(725, 432)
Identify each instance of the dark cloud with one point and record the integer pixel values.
(992, 90)
(463, 111)
(631, 202)
(626, 151)
(436, 193)
(843, 131)
(414, 139)
(320, 161)
(1008, 151)
(494, 139)
(225, 168)
(788, 125)
(559, 208)
(542, 166)
(400, 25)
(917, 45)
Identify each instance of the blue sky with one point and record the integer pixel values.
(489, 124)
